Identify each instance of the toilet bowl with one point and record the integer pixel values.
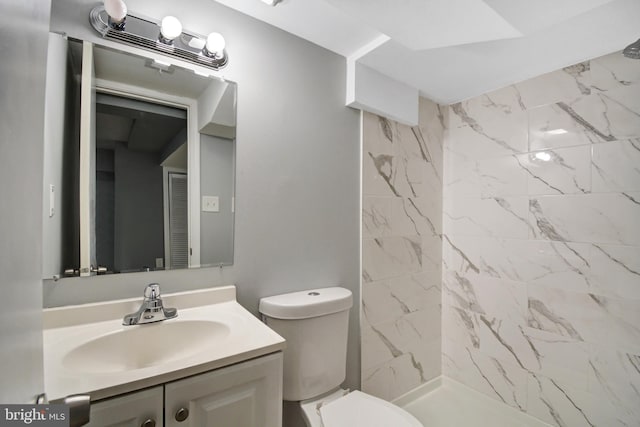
(355, 409)
(315, 325)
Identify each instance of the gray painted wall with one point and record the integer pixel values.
(297, 172)
(216, 179)
(22, 83)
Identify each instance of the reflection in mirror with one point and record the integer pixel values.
(139, 145)
(140, 176)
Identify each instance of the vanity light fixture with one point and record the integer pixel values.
(115, 23)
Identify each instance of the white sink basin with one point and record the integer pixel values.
(137, 347)
(88, 350)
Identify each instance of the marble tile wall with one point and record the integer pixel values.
(541, 244)
(402, 251)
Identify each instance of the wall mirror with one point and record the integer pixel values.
(139, 164)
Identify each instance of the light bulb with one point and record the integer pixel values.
(215, 44)
(170, 28)
(116, 9)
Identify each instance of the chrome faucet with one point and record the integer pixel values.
(151, 309)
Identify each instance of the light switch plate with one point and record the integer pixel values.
(210, 204)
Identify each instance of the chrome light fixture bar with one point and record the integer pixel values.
(167, 37)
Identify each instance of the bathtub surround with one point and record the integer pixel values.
(401, 251)
(541, 248)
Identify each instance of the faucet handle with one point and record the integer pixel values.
(152, 291)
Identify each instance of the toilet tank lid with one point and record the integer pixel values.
(306, 304)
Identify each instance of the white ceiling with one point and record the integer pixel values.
(452, 50)
(429, 24)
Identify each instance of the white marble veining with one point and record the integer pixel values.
(557, 404)
(491, 109)
(616, 166)
(394, 378)
(564, 85)
(585, 316)
(496, 216)
(474, 141)
(548, 263)
(558, 171)
(402, 251)
(379, 305)
(615, 373)
(524, 203)
(378, 134)
(392, 256)
(504, 339)
(613, 71)
(378, 172)
(496, 177)
(376, 216)
(491, 297)
(612, 115)
(598, 218)
(503, 381)
(415, 216)
(541, 245)
(553, 126)
(562, 358)
(615, 271)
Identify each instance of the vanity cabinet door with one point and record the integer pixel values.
(139, 409)
(247, 394)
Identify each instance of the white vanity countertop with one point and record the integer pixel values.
(67, 328)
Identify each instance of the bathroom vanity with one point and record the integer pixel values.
(238, 395)
(215, 364)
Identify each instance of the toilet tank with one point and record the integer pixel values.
(315, 325)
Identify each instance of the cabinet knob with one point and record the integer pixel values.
(149, 423)
(182, 414)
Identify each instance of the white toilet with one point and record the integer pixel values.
(315, 325)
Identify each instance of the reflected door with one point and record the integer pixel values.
(178, 251)
(87, 162)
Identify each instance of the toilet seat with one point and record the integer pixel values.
(358, 409)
